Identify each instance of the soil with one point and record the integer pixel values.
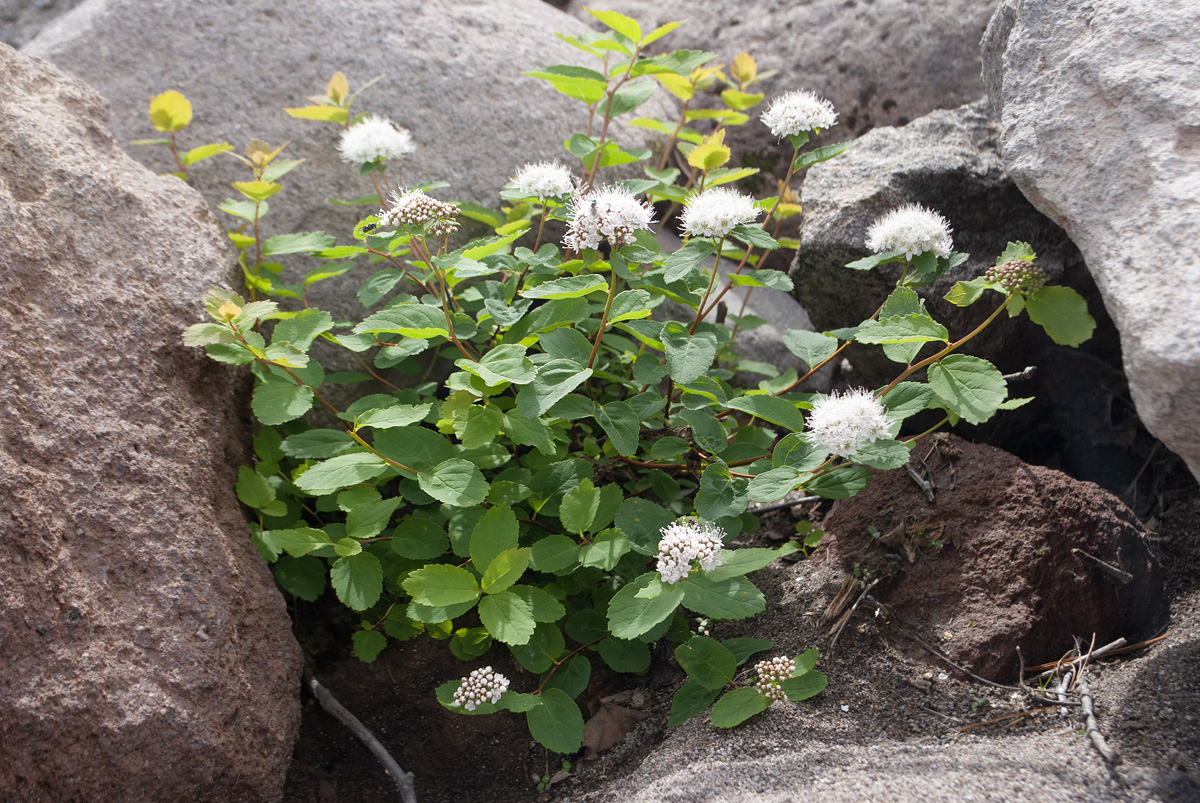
(886, 712)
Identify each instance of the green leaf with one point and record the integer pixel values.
(968, 386)
(541, 651)
(542, 604)
(738, 706)
(964, 294)
(468, 643)
(277, 400)
(327, 114)
(367, 519)
(495, 533)
(733, 598)
(707, 662)
(629, 305)
(456, 482)
(505, 363)
(440, 584)
(580, 83)
(883, 454)
(257, 190)
(753, 235)
(555, 380)
(1014, 252)
(642, 521)
(914, 328)
(625, 656)
(629, 615)
(358, 580)
(822, 154)
(774, 279)
(866, 263)
(619, 23)
(689, 355)
(1062, 313)
(300, 541)
(686, 259)
(573, 676)
(507, 617)
(738, 562)
(578, 508)
(253, 489)
(317, 443)
(720, 494)
(795, 452)
(691, 699)
(419, 539)
(368, 644)
(604, 552)
(841, 483)
(554, 553)
(569, 287)
(483, 424)
(557, 723)
(773, 485)
(505, 570)
(621, 424)
(300, 243)
(419, 448)
(770, 408)
(805, 661)
(743, 648)
(204, 334)
(400, 415)
(906, 399)
(804, 686)
(630, 96)
(302, 327)
(406, 320)
(303, 577)
(340, 472)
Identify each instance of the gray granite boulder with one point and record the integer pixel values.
(1099, 108)
(20, 20)
(147, 653)
(453, 76)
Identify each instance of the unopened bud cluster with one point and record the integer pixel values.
(415, 208)
(1018, 275)
(683, 543)
(481, 686)
(771, 674)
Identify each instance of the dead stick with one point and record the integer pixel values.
(1107, 648)
(1105, 652)
(850, 613)
(1005, 718)
(1093, 729)
(404, 780)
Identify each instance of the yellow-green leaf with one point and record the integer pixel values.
(204, 152)
(170, 111)
(677, 85)
(338, 88)
(257, 190)
(329, 114)
(619, 23)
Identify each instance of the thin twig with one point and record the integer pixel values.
(803, 500)
(1121, 576)
(850, 612)
(1049, 673)
(1004, 718)
(1025, 374)
(1093, 729)
(404, 780)
(925, 485)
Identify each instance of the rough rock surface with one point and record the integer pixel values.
(21, 20)
(945, 161)
(1099, 107)
(880, 63)
(1005, 569)
(147, 653)
(453, 77)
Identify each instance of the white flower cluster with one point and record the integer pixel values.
(375, 138)
(610, 213)
(842, 424)
(799, 110)
(481, 686)
(685, 542)
(715, 212)
(772, 673)
(415, 208)
(911, 230)
(544, 180)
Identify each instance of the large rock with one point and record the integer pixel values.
(1006, 556)
(880, 63)
(946, 161)
(21, 20)
(1099, 107)
(147, 653)
(453, 77)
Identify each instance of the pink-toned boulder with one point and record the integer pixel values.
(147, 654)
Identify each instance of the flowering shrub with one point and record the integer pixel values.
(561, 473)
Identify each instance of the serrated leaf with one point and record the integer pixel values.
(883, 454)
(456, 482)
(300, 541)
(368, 519)
(554, 553)
(866, 263)
(440, 584)
(406, 320)
(630, 616)
(743, 648)
(913, 328)
(257, 190)
(621, 424)
(1014, 252)
(495, 533)
(822, 154)
(739, 562)
(630, 96)
(505, 570)
(721, 494)
(625, 656)
(968, 386)
(317, 443)
(277, 400)
(812, 347)
(340, 472)
(964, 294)
(578, 508)
(569, 287)
(605, 550)
(770, 408)
(707, 662)
(732, 598)
(738, 706)
(299, 243)
(687, 258)
(400, 415)
(302, 327)
(1062, 312)
(689, 355)
(555, 379)
(774, 279)
(419, 539)
(358, 580)
(557, 723)
(841, 483)
(253, 489)
(804, 686)
(368, 644)
(906, 399)
(774, 484)
(753, 235)
(507, 617)
(170, 111)
(303, 577)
